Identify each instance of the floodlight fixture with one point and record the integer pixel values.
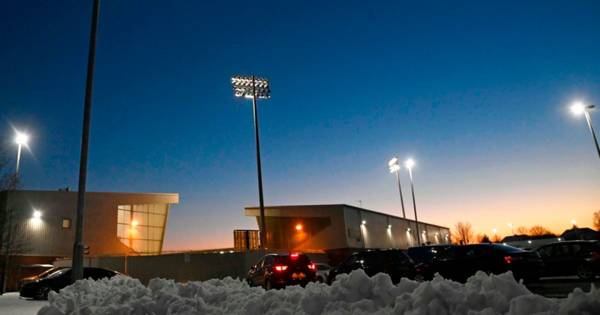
(578, 108)
(254, 88)
(21, 138)
(37, 214)
(250, 87)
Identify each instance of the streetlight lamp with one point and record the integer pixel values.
(21, 139)
(395, 168)
(252, 87)
(579, 108)
(78, 246)
(409, 164)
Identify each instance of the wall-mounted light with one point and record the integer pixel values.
(299, 227)
(37, 214)
(364, 222)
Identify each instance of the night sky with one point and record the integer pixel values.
(476, 92)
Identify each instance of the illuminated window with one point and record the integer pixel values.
(66, 223)
(141, 227)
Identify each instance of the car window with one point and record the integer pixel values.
(268, 261)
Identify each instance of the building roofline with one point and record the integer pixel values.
(91, 192)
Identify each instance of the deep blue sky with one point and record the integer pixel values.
(475, 91)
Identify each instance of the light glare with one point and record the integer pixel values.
(21, 138)
(409, 163)
(577, 108)
(37, 214)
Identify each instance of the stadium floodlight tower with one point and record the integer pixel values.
(395, 168)
(252, 87)
(409, 164)
(579, 108)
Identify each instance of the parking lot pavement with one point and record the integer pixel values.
(11, 303)
(560, 287)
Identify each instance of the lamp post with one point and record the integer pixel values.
(395, 168)
(579, 108)
(78, 246)
(21, 140)
(252, 87)
(409, 164)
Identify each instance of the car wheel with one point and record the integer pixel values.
(268, 285)
(585, 272)
(43, 294)
(419, 277)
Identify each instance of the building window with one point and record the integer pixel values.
(66, 223)
(141, 227)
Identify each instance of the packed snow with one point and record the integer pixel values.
(355, 293)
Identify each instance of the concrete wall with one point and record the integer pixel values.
(183, 267)
(46, 237)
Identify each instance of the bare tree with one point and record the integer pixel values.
(522, 230)
(539, 230)
(463, 233)
(11, 240)
(483, 238)
(596, 220)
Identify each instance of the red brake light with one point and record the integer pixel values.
(312, 266)
(294, 255)
(508, 259)
(281, 268)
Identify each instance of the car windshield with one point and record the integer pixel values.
(56, 273)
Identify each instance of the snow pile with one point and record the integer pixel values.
(355, 293)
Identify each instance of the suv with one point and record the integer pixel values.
(424, 256)
(581, 258)
(393, 262)
(279, 270)
(460, 262)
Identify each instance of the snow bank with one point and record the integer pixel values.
(355, 293)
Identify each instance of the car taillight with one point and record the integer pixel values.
(511, 259)
(281, 268)
(294, 255)
(312, 266)
(596, 254)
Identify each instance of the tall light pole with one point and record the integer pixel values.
(252, 87)
(21, 140)
(78, 246)
(395, 168)
(579, 108)
(409, 164)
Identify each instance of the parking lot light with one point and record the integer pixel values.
(578, 108)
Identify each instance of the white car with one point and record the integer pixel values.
(322, 272)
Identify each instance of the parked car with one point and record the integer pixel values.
(322, 272)
(424, 256)
(580, 258)
(280, 270)
(59, 279)
(43, 274)
(460, 262)
(393, 262)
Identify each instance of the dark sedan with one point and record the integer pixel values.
(280, 270)
(580, 258)
(393, 262)
(460, 262)
(54, 281)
